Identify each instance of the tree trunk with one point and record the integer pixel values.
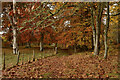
(18, 57)
(92, 43)
(33, 55)
(93, 27)
(98, 29)
(96, 52)
(75, 50)
(41, 42)
(118, 39)
(1, 39)
(15, 48)
(102, 41)
(106, 31)
(56, 48)
(100, 17)
(28, 45)
(4, 61)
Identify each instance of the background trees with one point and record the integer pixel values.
(13, 22)
(70, 24)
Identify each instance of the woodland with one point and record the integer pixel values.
(60, 39)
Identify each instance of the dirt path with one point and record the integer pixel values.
(73, 66)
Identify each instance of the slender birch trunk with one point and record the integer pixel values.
(106, 32)
(56, 48)
(41, 42)
(13, 23)
(15, 48)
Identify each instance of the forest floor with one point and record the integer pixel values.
(80, 65)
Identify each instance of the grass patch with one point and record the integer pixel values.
(113, 75)
(87, 74)
(11, 59)
(62, 54)
(46, 75)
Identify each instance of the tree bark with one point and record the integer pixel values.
(106, 31)
(4, 61)
(93, 27)
(75, 50)
(92, 44)
(41, 42)
(96, 52)
(118, 39)
(28, 44)
(98, 29)
(15, 48)
(56, 48)
(14, 27)
(18, 57)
